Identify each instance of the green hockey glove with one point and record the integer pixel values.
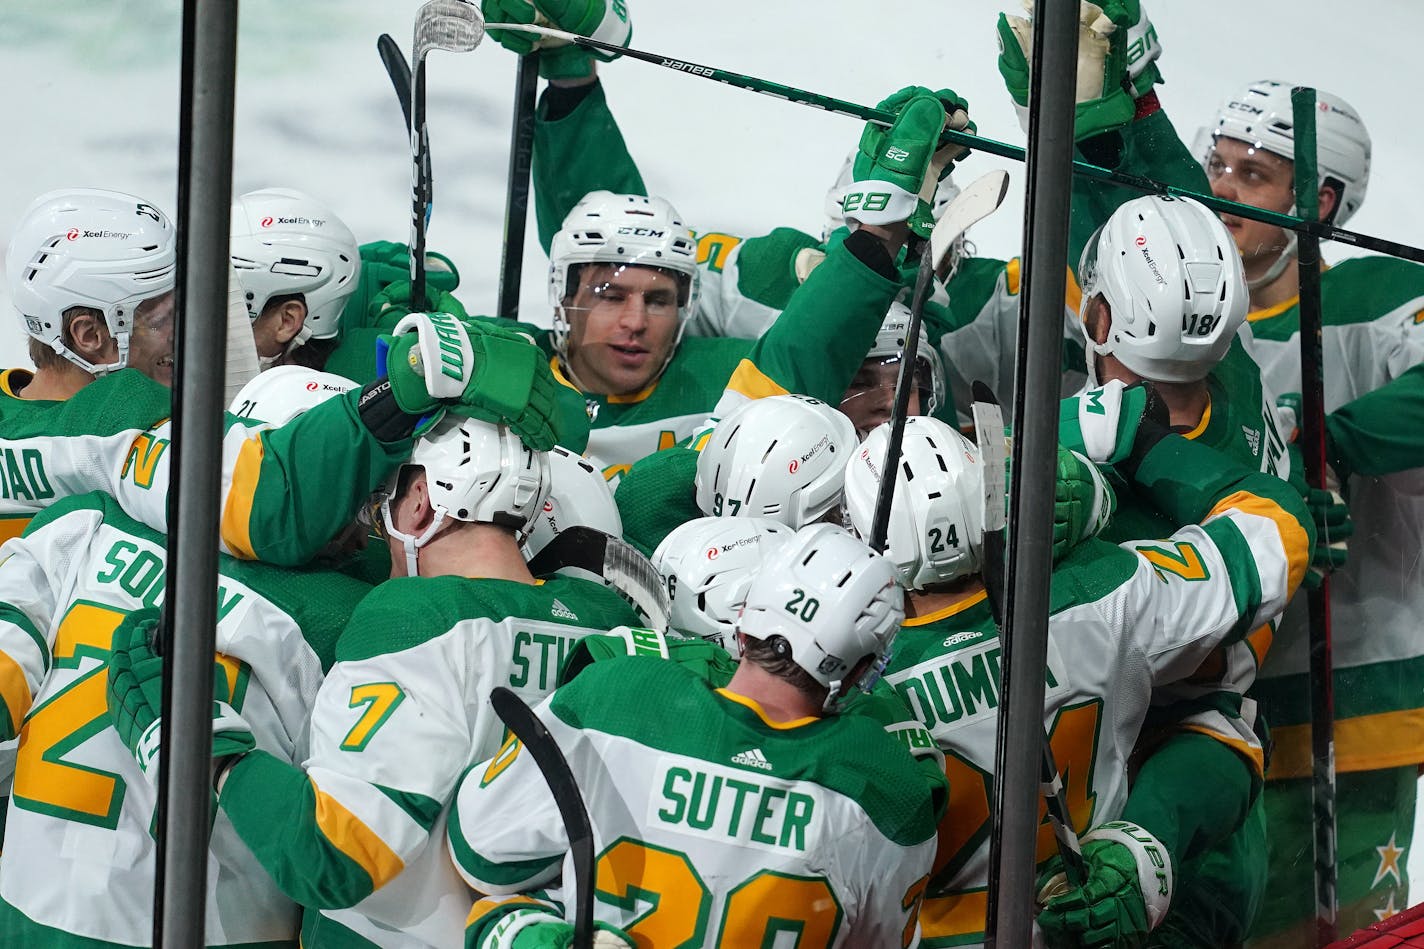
(1111, 423)
(1109, 76)
(892, 167)
(436, 361)
(1082, 502)
(557, 934)
(603, 20)
(386, 262)
(393, 303)
(1128, 892)
(135, 695)
(1333, 529)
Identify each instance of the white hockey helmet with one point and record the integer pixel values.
(284, 242)
(890, 343)
(281, 393)
(781, 457)
(1169, 270)
(1262, 116)
(627, 229)
(578, 497)
(707, 565)
(936, 530)
(475, 471)
(833, 601)
(85, 247)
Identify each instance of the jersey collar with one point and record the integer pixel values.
(12, 380)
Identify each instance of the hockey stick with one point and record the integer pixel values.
(1312, 384)
(975, 143)
(977, 201)
(516, 202)
(399, 71)
(989, 429)
(452, 25)
(525, 725)
(619, 564)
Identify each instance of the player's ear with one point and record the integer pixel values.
(87, 333)
(1098, 319)
(1329, 198)
(291, 315)
(413, 511)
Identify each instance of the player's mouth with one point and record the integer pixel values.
(629, 354)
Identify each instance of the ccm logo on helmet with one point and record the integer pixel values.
(642, 231)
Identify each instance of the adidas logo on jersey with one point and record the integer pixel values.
(752, 759)
(1253, 438)
(562, 611)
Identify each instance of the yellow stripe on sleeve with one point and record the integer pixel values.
(349, 834)
(237, 511)
(13, 526)
(962, 914)
(1294, 539)
(751, 382)
(14, 691)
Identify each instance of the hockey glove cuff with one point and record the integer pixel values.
(1128, 893)
(1113, 423)
(892, 167)
(1082, 502)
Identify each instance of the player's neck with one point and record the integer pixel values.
(942, 597)
(1279, 290)
(778, 699)
(55, 383)
(475, 550)
(1186, 402)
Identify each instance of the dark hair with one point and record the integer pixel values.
(314, 353)
(773, 655)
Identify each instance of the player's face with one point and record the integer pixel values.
(1253, 176)
(623, 325)
(151, 342)
(871, 395)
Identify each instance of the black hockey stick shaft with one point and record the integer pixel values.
(992, 573)
(904, 382)
(516, 202)
(1312, 382)
(525, 725)
(975, 143)
(398, 70)
(420, 188)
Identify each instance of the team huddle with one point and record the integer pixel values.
(783, 737)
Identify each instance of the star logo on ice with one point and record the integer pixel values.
(1389, 865)
(1388, 909)
(562, 611)
(752, 758)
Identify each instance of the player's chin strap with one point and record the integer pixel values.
(411, 544)
(1278, 266)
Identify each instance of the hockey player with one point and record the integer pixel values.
(81, 264)
(297, 264)
(80, 862)
(836, 814)
(781, 457)
(1372, 335)
(404, 709)
(1123, 619)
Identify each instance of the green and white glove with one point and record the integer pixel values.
(892, 176)
(1106, 423)
(393, 303)
(1082, 502)
(1129, 890)
(1333, 528)
(135, 696)
(534, 927)
(1109, 78)
(604, 20)
(436, 361)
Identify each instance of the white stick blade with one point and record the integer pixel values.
(989, 431)
(977, 201)
(452, 25)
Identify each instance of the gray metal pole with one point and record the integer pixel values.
(190, 604)
(1024, 642)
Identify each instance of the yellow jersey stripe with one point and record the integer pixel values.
(237, 512)
(1255, 755)
(951, 610)
(490, 904)
(961, 914)
(349, 834)
(761, 713)
(1366, 743)
(1293, 537)
(13, 526)
(14, 691)
(751, 382)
